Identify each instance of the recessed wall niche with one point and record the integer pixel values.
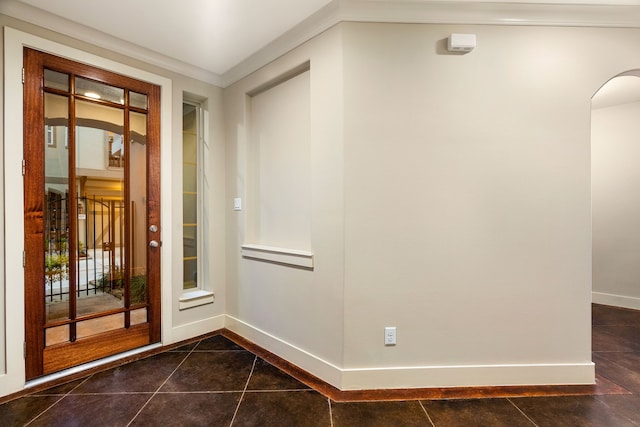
(278, 191)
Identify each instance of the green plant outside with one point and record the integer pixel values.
(56, 267)
(114, 285)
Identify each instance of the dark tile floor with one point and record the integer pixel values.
(217, 383)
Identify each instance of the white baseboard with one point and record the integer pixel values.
(191, 330)
(416, 377)
(468, 376)
(322, 369)
(616, 300)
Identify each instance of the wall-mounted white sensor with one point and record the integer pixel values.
(461, 42)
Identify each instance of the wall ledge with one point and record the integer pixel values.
(195, 298)
(289, 257)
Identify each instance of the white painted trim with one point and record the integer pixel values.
(293, 257)
(14, 377)
(14, 41)
(468, 376)
(415, 376)
(317, 23)
(322, 369)
(196, 298)
(492, 13)
(624, 14)
(616, 300)
(194, 329)
(574, 13)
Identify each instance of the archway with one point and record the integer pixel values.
(615, 184)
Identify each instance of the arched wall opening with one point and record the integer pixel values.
(615, 191)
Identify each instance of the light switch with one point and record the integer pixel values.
(237, 204)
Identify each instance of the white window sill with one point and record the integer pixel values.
(196, 298)
(290, 257)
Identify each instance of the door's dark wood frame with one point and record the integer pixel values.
(41, 360)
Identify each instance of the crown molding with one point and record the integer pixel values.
(317, 23)
(622, 14)
(567, 13)
(35, 16)
(551, 13)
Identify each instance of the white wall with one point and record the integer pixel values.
(466, 207)
(280, 199)
(467, 215)
(615, 142)
(294, 312)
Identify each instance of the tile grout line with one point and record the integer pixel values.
(613, 361)
(255, 359)
(426, 413)
(605, 403)
(161, 385)
(618, 365)
(57, 401)
(288, 390)
(111, 393)
(521, 411)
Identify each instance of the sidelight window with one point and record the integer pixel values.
(191, 194)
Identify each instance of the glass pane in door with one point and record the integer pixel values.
(138, 200)
(101, 220)
(56, 80)
(56, 209)
(99, 325)
(96, 90)
(138, 100)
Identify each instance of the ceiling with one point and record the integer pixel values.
(220, 41)
(619, 90)
(213, 35)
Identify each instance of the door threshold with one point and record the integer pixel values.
(90, 365)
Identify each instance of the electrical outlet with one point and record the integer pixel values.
(390, 335)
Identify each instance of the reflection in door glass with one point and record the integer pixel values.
(99, 325)
(100, 154)
(56, 208)
(97, 90)
(138, 100)
(56, 80)
(110, 228)
(138, 197)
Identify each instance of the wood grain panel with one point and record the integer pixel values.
(66, 355)
(34, 212)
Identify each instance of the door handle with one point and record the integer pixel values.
(154, 244)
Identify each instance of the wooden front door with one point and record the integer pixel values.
(92, 213)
